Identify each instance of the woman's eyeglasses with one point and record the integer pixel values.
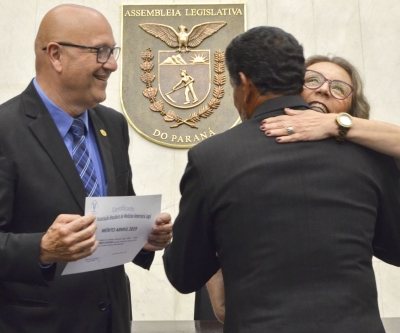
(338, 89)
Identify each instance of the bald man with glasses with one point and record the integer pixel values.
(58, 146)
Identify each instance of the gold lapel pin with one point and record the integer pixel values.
(103, 132)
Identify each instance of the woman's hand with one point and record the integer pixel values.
(308, 125)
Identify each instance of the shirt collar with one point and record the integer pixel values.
(62, 119)
(279, 103)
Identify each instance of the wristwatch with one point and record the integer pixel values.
(344, 121)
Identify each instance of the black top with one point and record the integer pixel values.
(293, 225)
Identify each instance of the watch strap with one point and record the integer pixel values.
(342, 133)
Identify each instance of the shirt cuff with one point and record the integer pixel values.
(45, 266)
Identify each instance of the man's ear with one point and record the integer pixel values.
(54, 54)
(244, 84)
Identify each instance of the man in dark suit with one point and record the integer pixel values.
(291, 226)
(42, 195)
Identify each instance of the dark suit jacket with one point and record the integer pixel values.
(293, 225)
(39, 181)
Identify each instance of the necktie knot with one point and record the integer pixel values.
(78, 127)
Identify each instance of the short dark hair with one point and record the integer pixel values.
(270, 57)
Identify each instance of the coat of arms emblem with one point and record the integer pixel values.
(177, 78)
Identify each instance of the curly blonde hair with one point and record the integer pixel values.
(359, 105)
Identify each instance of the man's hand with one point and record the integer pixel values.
(161, 234)
(69, 238)
(216, 290)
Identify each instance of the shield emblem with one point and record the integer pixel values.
(184, 78)
(174, 86)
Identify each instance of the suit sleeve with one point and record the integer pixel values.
(144, 259)
(386, 242)
(19, 252)
(190, 260)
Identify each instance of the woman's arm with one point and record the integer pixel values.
(310, 125)
(216, 290)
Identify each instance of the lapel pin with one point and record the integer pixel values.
(103, 132)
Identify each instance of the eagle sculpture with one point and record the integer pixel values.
(182, 39)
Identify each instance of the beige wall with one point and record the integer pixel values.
(364, 31)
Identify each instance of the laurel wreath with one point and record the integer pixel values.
(158, 105)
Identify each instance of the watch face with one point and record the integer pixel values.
(345, 120)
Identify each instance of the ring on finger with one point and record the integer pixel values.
(289, 130)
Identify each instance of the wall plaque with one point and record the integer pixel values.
(175, 88)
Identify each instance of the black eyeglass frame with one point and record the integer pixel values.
(330, 83)
(111, 50)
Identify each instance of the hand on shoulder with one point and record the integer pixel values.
(308, 125)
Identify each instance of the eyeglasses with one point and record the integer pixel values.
(103, 52)
(339, 89)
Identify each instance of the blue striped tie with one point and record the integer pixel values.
(82, 160)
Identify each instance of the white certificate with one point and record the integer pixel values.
(123, 226)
